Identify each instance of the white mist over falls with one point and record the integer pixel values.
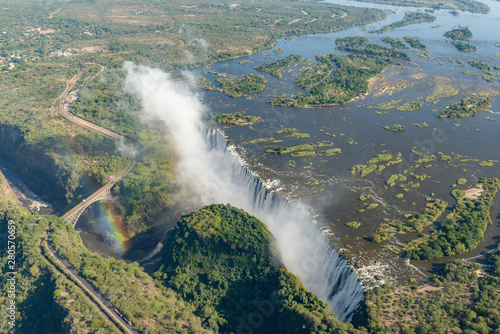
(211, 169)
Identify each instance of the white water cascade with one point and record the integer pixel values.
(210, 172)
(305, 250)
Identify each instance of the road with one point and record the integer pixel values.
(92, 293)
(87, 289)
(63, 110)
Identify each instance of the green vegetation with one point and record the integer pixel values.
(441, 91)
(464, 47)
(252, 83)
(479, 64)
(467, 107)
(422, 125)
(348, 82)
(207, 85)
(278, 50)
(416, 223)
(391, 181)
(260, 140)
(277, 67)
(362, 45)
(302, 154)
(220, 259)
(414, 42)
(45, 299)
(236, 119)
(409, 18)
(461, 181)
(395, 127)
(372, 206)
(487, 163)
(410, 106)
(353, 225)
(465, 5)
(459, 33)
(319, 72)
(300, 150)
(145, 193)
(333, 151)
(462, 230)
(371, 165)
(287, 130)
(127, 286)
(364, 196)
(457, 302)
(395, 42)
(299, 135)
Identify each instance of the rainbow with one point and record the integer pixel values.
(114, 227)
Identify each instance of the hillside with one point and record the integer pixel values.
(223, 261)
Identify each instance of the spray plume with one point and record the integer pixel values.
(210, 169)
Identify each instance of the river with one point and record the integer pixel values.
(326, 182)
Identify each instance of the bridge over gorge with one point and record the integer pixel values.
(103, 193)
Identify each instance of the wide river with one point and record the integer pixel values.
(326, 182)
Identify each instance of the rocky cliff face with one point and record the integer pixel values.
(8, 199)
(45, 166)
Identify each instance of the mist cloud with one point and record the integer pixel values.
(216, 176)
(124, 149)
(181, 110)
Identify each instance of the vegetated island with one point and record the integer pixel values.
(252, 83)
(409, 18)
(414, 42)
(349, 81)
(315, 75)
(480, 64)
(377, 164)
(359, 44)
(395, 42)
(410, 106)
(464, 47)
(277, 67)
(304, 150)
(465, 5)
(416, 223)
(463, 229)
(467, 107)
(394, 127)
(458, 35)
(236, 119)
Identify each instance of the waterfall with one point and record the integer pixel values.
(210, 172)
(305, 250)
